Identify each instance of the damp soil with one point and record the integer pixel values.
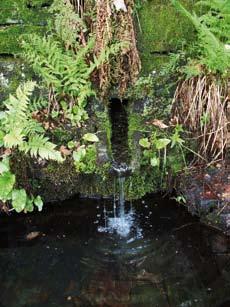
(61, 258)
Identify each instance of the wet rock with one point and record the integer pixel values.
(208, 195)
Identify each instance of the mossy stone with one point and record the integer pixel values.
(161, 29)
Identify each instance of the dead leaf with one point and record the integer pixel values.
(46, 125)
(158, 123)
(7, 152)
(65, 151)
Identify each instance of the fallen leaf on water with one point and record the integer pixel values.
(32, 235)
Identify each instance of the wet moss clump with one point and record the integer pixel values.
(161, 30)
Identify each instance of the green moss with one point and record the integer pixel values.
(10, 37)
(161, 30)
(140, 183)
(20, 17)
(105, 125)
(18, 11)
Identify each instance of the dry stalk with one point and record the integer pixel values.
(201, 104)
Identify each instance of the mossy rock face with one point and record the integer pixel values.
(12, 72)
(21, 17)
(161, 29)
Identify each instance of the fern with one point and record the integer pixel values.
(212, 35)
(39, 146)
(64, 64)
(21, 131)
(67, 23)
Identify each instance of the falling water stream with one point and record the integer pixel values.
(120, 221)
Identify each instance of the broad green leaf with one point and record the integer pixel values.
(19, 198)
(90, 137)
(7, 181)
(38, 203)
(144, 143)
(4, 165)
(161, 143)
(79, 155)
(154, 161)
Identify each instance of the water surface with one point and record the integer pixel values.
(167, 258)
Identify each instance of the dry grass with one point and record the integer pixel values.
(201, 104)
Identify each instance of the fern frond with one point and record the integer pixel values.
(18, 126)
(39, 146)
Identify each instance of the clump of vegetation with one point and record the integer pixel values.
(85, 155)
(10, 194)
(19, 131)
(165, 150)
(201, 99)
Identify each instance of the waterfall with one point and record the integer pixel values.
(120, 219)
(121, 181)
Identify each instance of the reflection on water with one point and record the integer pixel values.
(171, 261)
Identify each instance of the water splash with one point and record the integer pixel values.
(121, 221)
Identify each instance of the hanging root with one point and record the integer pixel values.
(201, 104)
(116, 26)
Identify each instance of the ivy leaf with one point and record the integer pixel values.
(144, 143)
(161, 143)
(19, 198)
(154, 161)
(38, 202)
(91, 137)
(7, 181)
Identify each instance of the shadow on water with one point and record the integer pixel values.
(167, 259)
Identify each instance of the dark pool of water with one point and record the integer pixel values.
(168, 258)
